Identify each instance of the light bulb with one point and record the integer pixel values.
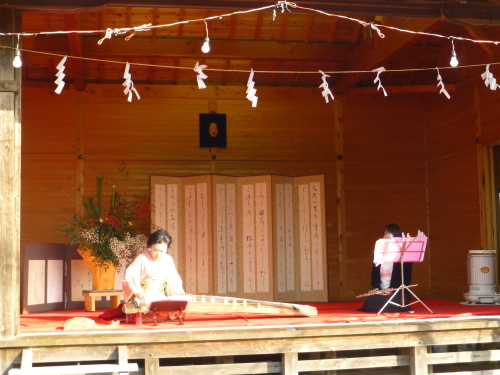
(453, 61)
(206, 46)
(17, 59)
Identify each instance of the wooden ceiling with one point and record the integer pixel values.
(284, 51)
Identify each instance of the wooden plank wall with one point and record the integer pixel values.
(384, 180)
(291, 132)
(454, 194)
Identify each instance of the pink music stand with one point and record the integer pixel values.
(401, 249)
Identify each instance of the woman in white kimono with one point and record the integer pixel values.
(152, 276)
(387, 276)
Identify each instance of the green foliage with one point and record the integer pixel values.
(112, 232)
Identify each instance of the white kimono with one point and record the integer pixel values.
(156, 279)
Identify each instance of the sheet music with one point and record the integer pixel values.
(389, 250)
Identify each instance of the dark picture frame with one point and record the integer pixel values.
(213, 130)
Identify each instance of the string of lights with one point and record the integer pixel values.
(279, 6)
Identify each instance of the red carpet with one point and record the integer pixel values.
(334, 312)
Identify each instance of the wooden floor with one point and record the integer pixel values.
(464, 345)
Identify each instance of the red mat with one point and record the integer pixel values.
(334, 312)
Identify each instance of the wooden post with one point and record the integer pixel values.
(290, 363)
(418, 360)
(339, 166)
(214, 167)
(330, 355)
(10, 179)
(151, 366)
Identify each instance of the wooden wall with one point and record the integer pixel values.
(453, 187)
(371, 149)
(384, 180)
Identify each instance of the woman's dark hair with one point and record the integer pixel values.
(394, 229)
(159, 236)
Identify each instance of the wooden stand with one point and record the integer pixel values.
(89, 298)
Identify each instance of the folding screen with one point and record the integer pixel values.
(255, 237)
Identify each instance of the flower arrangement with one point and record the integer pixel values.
(113, 233)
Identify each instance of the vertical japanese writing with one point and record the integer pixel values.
(190, 238)
(261, 237)
(202, 221)
(172, 222)
(36, 282)
(305, 238)
(231, 237)
(220, 240)
(160, 207)
(289, 244)
(249, 270)
(316, 236)
(280, 238)
(55, 281)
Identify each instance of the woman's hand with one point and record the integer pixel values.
(140, 296)
(373, 291)
(385, 292)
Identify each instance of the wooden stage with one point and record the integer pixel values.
(455, 339)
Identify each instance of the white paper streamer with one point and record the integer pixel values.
(377, 79)
(60, 75)
(377, 30)
(326, 91)
(488, 79)
(251, 90)
(201, 76)
(440, 83)
(129, 85)
(109, 33)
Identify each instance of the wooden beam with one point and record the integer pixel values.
(155, 22)
(478, 34)
(276, 65)
(128, 15)
(176, 71)
(232, 27)
(297, 75)
(258, 25)
(370, 55)
(482, 14)
(10, 188)
(151, 70)
(356, 32)
(307, 33)
(284, 23)
(220, 49)
(225, 72)
(333, 29)
(181, 26)
(75, 49)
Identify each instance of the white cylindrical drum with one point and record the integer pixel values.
(481, 267)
